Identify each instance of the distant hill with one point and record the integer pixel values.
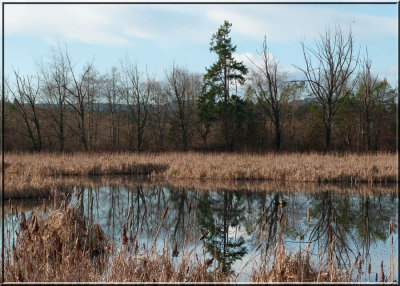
(103, 107)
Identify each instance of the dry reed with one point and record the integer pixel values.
(292, 267)
(33, 169)
(64, 247)
(61, 248)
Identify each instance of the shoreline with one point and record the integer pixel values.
(36, 175)
(65, 186)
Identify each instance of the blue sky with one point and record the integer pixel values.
(155, 36)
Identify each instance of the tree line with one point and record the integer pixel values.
(340, 105)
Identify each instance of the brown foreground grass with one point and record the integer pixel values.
(294, 167)
(63, 247)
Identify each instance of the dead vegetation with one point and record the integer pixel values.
(61, 248)
(64, 247)
(297, 267)
(31, 169)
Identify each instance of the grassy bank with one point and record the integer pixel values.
(352, 168)
(63, 246)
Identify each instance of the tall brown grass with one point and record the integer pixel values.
(65, 247)
(61, 248)
(313, 167)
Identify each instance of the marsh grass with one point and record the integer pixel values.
(296, 167)
(60, 248)
(39, 173)
(297, 267)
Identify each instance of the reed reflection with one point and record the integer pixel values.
(338, 229)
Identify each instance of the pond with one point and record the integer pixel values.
(239, 228)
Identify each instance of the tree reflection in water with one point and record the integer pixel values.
(220, 213)
(334, 219)
(345, 226)
(341, 226)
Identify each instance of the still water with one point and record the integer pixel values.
(238, 222)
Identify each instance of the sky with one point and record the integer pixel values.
(157, 36)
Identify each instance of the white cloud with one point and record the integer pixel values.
(290, 23)
(292, 73)
(117, 24)
(251, 60)
(248, 59)
(90, 24)
(392, 70)
(391, 74)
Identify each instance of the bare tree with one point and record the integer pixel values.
(136, 92)
(26, 94)
(182, 89)
(78, 96)
(384, 105)
(293, 91)
(268, 83)
(203, 128)
(328, 69)
(92, 86)
(113, 103)
(55, 77)
(159, 115)
(368, 84)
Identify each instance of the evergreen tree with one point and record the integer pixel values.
(219, 79)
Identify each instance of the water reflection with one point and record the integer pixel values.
(236, 224)
(221, 214)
